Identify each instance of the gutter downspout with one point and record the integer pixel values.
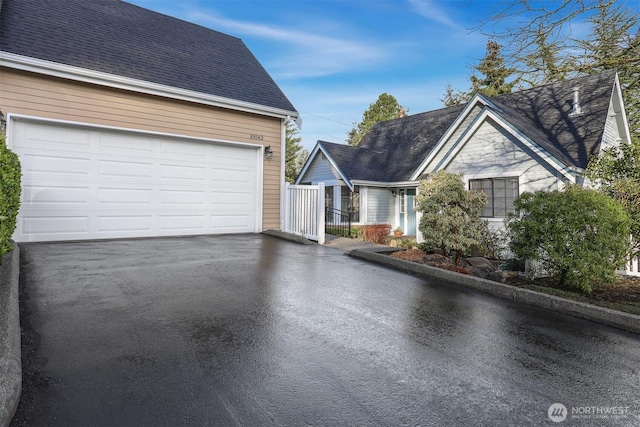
(283, 149)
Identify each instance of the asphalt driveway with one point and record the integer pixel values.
(253, 330)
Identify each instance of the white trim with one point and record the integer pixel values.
(259, 178)
(333, 164)
(40, 66)
(566, 171)
(386, 184)
(283, 183)
(625, 122)
(22, 117)
(477, 99)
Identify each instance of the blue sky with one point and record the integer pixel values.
(332, 58)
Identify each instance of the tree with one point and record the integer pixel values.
(543, 64)
(612, 45)
(385, 108)
(616, 173)
(537, 32)
(292, 151)
(450, 213)
(579, 236)
(453, 96)
(495, 73)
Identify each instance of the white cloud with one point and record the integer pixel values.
(432, 11)
(308, 54)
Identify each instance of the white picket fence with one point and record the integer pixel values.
(304, 211)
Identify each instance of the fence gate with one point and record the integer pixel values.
(304, 211)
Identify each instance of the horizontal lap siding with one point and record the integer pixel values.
(493, 153)
(48, 97)
(380, 206)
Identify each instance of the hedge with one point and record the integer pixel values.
(10, 175)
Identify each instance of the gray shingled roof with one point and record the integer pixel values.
(393, 150)
(119, 38)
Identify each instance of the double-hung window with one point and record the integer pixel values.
(500, 192)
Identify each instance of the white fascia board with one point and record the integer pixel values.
(565, 170)
(386, 184)
(307, 163)
(40, 66)
(319, 148)
(443, 140)
(618, 90)
(12, 117)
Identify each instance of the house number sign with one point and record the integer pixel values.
(256, 137)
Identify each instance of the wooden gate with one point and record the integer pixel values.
(304, 211)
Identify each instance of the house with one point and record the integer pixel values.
(131, 123)
(536, 139)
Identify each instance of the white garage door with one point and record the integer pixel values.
(82, 182)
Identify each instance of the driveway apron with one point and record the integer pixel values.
(254, 330)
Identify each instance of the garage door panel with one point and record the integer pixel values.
(127, 184)
(230, 223)
(56, 166)
(182, 223)
(182, 173)
(187, 151)
(124, 169)
(183, 197)
(50, 227)
(54, 138)
(46, 196)
(125, 196)
(114, 224)
(122, 144)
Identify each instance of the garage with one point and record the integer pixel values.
(87, 182)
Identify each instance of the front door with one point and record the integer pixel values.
(407, 217)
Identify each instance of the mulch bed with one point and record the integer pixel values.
(625, 295)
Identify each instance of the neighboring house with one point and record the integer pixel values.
(131, 123)
(536, 139)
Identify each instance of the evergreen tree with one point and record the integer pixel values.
(495, 73)
(453, 96)
(385, 108)
(292, 150)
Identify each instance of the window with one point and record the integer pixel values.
(328, 197)
(501, 193)
(350, 201)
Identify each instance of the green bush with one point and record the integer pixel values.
(579, 236)
(9, 195)
(450, 213)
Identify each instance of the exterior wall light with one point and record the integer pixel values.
(393, 193)
(3, 123)
(268, 152)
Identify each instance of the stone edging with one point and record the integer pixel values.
(10, 363)
(618, 319)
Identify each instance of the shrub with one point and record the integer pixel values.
(9, 195)
(578, 236)
(450, 214)
(493, 242)
(376, 233)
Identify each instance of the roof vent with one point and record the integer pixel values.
(576, 109)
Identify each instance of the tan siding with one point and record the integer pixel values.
(492, 153)
(47, 97)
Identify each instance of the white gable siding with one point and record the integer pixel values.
(611, 135)
(492, 153)
(320, 170)
(380, 206)
(453, 138)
